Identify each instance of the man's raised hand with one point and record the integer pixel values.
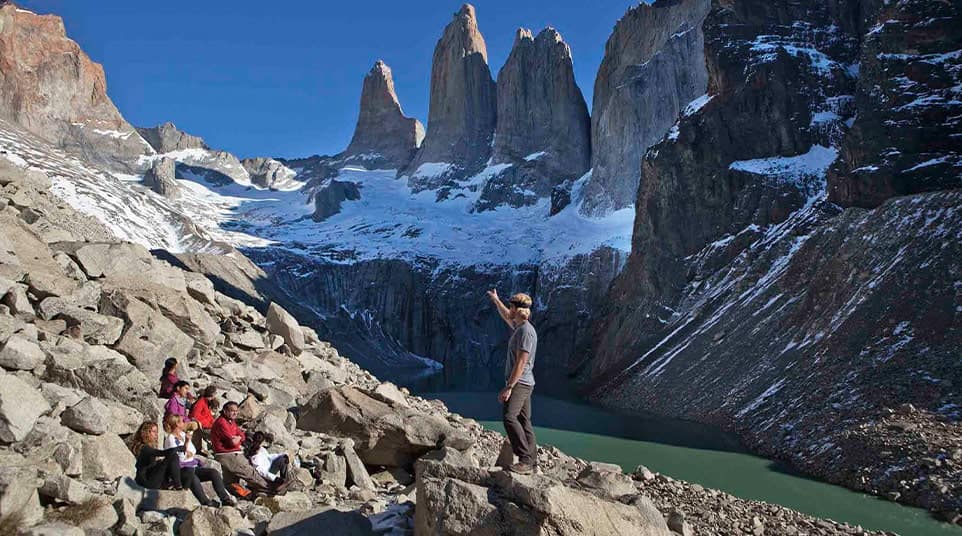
(493, 294)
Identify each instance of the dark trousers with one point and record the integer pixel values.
(517, 423)
(163, 471)
(193, 476)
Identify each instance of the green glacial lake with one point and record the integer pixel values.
(696, 453)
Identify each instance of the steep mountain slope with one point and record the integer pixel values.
(653, 67)
(53, 90)
(751, 301)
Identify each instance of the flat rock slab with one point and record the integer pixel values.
(320, 521)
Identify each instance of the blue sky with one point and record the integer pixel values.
(284, 78)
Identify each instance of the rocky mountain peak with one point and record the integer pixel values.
(383, 136)
(522, 34)
(543, 127)
(51, 88)
(654, 65)
(463, 108)
(166, 137)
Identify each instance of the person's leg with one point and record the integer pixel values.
(281, 466)
(172, 470)
(209, 474)
(236, 466)
(154, 475)
(530, 456)
(189, 477)
(512, 426)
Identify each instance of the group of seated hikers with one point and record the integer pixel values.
(188, 424)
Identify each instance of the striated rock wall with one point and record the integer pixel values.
(381, 312)
(51, 88)
(383, 137)
(463, 107)
(908, 134)
(653, 67)
(751, 302)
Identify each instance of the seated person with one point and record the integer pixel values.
(202, 413)
(177, 404)
(193, 469)
(156, 469)
(273, 467)
(168, 378)
(226, 439)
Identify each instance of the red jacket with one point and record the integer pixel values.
(221, 433)
(200, 412)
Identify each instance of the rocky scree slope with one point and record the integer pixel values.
(67, 405)
(752, 302)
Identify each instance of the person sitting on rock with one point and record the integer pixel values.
(156, 468)
(177, 404)
(273, 467)
(202, 413)
(168, 378)
(227, 439)
(193, 471)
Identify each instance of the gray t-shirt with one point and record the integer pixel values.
(523, 338)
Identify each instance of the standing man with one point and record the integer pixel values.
(519, 379)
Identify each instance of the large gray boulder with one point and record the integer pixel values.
(95, 328)
(20, 353)
(18, 495)
(106, 457)
(149, 337)
(326, 520)
(383, 435)
(100, 372)
(456, 497)
(383, 136)
(161, 177)
(207, 521)
(280, 322)
(89, 416)
(463, 108)
(20, 405)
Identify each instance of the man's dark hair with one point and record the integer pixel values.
(180, 384)
(228, 405)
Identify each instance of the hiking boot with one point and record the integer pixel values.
(522, 469)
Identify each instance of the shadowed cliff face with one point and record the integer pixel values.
(462, 111)
(52, 89)
(653, 67)
(908, 133)
(380, 312)
(383, 138)
(749, 300)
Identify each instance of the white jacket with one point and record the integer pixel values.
(171, 441)
(262, 461)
